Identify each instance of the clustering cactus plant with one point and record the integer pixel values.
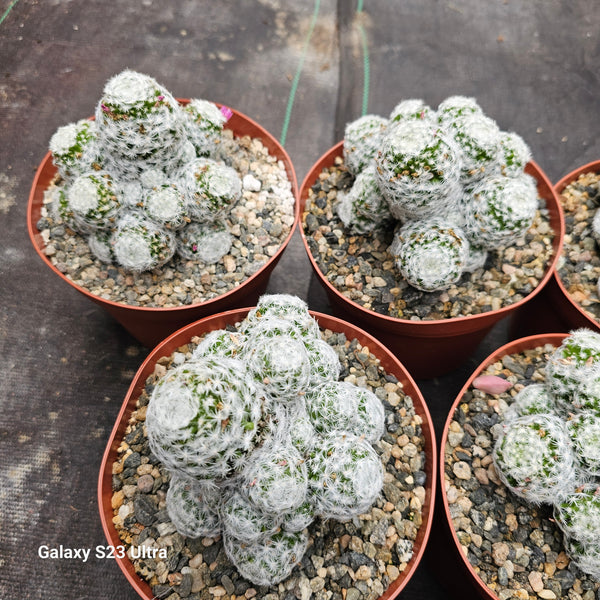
(145, 154)
(549, 450)
(454, 163)
(260, 438)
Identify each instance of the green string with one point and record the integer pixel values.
(290, 104)
(10, 7)
(366, 67)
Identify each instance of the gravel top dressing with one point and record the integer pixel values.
(579, 264)
(515, 548)
(344, 561)
(259, 224)
(361, 268)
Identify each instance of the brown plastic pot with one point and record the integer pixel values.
(388, 361)
(430, 348)
(566, 308)
(554, 309)
(457, 573)
(150, 325)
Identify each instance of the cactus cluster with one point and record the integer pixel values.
(142, 181)
(421, 166)
(549, 449)
(261, 437)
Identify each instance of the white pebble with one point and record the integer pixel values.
(250, 183)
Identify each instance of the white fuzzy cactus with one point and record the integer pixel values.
(413, 109)
(324, 362)
(596, 226)
(206, 242)
(302, 433)
(299, 518)
(140, 244)
(500, 211)
(363, 207)
(513, 154)
(454, 163)
(243, 519)
(140, 124)
(74, 149)
(166, 206)
(534, 458)
(284, 308)
(586, 556)
(455, 107)
(418, 170)
(345, 475)
(269, 561)
(578, 515)
(233, 421)
(93, 201)
(204, 124)
(362, 139)
(212, 188)
(220, 343)
(275, 479)
(476, 259)
(550, 449)
(573, 372)
(101, 246)
(203, 417)
(193, 506)
(280, 364)
(342, 406)
(131, 193)
(478, 140)
(584, 429)
(533, 399)
(430, 254)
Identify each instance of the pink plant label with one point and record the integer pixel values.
(491, 384)
(227, 112)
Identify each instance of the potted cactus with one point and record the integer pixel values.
(265, 451)
(411, 214)
(537, 464)
(162, 210)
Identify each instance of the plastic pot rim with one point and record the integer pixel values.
(559, 187)
(429, 328)
(46, 171)
(525, 343)
(181, 337)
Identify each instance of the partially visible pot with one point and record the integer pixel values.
(430, 348)
(387, 360)
(458, 574)
(149, 325)
(567, 309)
(554, 308)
